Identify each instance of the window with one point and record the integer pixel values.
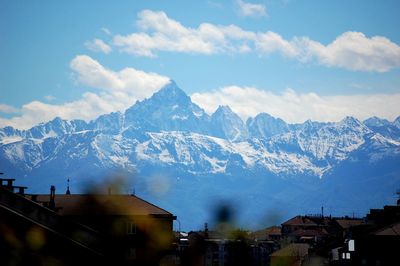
(130, 228)
(351, 245)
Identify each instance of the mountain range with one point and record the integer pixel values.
(173, 153)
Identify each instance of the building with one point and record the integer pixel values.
(374, 242)
(292, 255)
(272, 233)
(310, 229)
(96, 228)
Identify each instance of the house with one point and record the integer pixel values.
(292, 255)
(373, 242)
(306, 228)
(100, 228)
(345, 224)
(272, 233)
(135, 226)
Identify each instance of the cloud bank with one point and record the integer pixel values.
(296, 107)
(118, 90)
(350, 50)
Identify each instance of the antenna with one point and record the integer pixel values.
(68, 191)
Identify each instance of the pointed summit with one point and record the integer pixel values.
(351, 124)
(171, 93)
(223, 109)
(227, 124)
(350, 121)
(168, 109)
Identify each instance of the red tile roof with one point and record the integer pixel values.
(310, 232)
(82, 204)
(300, 220)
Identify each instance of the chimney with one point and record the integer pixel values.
(322, 211)
(206, 230)
(52, 203)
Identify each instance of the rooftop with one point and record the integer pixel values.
(86, 204)
(347, 223)
(300, 220)
(292, 250)
(391, 230)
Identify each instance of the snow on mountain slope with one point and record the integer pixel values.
(384, 127)
(264, 163)
(168, 129)
(168, 109)
(324, 141)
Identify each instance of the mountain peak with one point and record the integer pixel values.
(170, 108)
(223, 109)
(352, 124)
(171, 91)
(264, 125)
(376, 122)
(349, 120)
(227, 124)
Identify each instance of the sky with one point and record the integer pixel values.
(296, 60)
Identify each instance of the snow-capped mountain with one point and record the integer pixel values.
(227, 125)
(168, 109)
(265, 126)
(384, 127)
(262, 160)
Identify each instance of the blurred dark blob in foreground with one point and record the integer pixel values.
(106, 227)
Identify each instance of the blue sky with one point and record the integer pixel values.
(296, 60)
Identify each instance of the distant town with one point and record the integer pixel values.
(110, 228)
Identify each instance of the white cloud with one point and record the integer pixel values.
(117, 91)
(165, 34)
(8, 109)
(351, 50)
(296, 107)
(98, 45)
(270, 42)
(250, 9)
(137, 83)
(354, 51)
